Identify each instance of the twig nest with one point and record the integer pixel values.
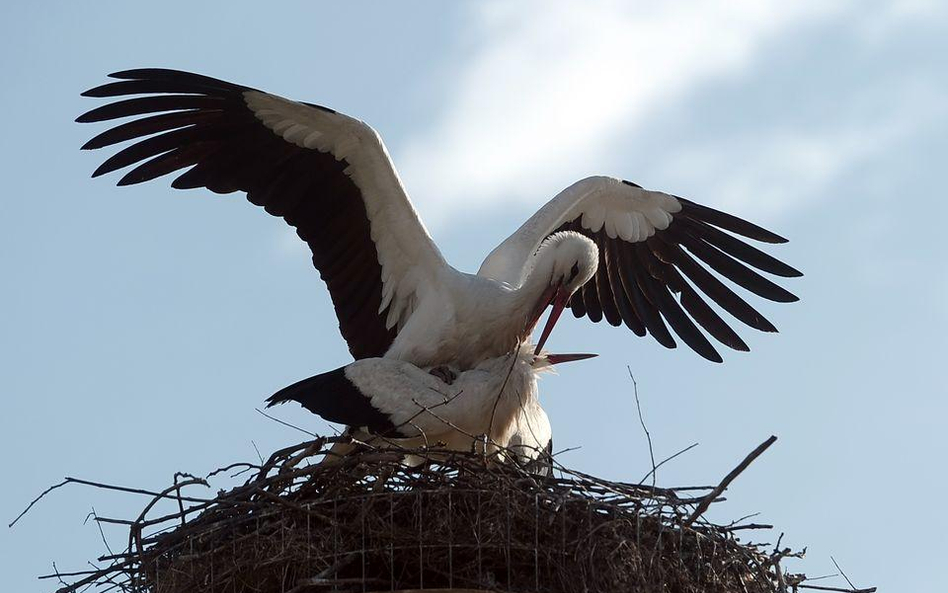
(370, 523)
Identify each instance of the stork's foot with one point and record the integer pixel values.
(444, 373)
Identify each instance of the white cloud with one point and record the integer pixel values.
(879, 22)
(773, 173)
(767, 173)
(550, 86)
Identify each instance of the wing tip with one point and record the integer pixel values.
(273, 400)
(101, 170)
(141, 73)
(666, 341)
(130, 178)
(739, 345)
(705, 348)
(784, 296)
(760, 323)
(635, 329)
(735, 224)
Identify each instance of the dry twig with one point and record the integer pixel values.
(730, 478)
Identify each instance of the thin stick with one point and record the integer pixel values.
(748, 526)
(101, 532)
(37, 499)
(843, 573)
(259, 456)
(744, 518)
(424, 409)
(819, 588)
(284, 423)
(666, 460)
(69, 480)
(706, 502)
(513, 362)
(638, 406)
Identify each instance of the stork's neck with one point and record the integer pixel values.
(536, 283)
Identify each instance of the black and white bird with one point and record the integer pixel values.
(492, 408)
(603, 247)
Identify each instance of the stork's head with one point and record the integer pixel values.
(575, 259)
(571, 259)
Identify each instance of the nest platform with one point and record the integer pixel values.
(458, 521)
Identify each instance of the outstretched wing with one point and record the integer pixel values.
(327, 174)
(655, 255)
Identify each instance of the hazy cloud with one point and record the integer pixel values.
(547, 89)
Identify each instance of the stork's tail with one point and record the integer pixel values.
(332, 396)
(309, 392)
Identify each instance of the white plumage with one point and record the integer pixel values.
(489, 408)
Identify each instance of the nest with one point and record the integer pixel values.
(367, 522)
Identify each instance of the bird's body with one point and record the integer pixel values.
(488, 408)
(469, 318)
(461, 323)
(604, 248)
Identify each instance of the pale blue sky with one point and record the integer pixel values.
(143, 326)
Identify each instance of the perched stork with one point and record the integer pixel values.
(491, 407)
(605, 248)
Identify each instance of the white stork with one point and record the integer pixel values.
(603, 247)
(492, 407)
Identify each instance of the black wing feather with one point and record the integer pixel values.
(577, 305)
(168, 162)
(607, 298)
(658, 293)
(732, 269)
(653, 284)
(727, 222)
(642, 300)
(716, 290)
(692, 302)
(151, 125)
(591, 300)
(739, 249)
(202, 124)
(629, 316)
(143, 105)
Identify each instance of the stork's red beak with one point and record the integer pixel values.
(560, 358)
(560, 298)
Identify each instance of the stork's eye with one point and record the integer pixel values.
(573, 272)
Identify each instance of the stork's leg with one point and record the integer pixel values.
(444, 373)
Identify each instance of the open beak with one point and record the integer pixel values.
(559, 301)
(558, 358)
